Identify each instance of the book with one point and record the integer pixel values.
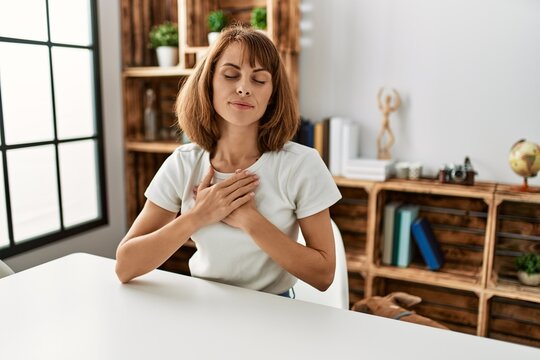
(368, 169)
(335, 147)
(320, 138)
(427, 243)
(403, 248)
(389, 230)
(349, 142)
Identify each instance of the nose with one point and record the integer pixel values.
(241, 90)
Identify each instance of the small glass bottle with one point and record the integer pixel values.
(150, 116)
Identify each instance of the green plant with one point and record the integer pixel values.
(217, 20)
(529, 263)
(258, 18)
(165, 34)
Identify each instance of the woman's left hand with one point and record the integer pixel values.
(240, 217)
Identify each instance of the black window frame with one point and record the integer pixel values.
(103, 219)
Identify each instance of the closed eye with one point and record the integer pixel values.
(231, 76)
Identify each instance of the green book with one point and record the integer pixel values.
(405, 217)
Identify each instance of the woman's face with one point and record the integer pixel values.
(241, 92)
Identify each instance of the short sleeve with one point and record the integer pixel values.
(312, 186)
(166, 188)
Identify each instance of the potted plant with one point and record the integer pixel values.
(164, 38)
(528, 266)
(217, 20)
(258, 18)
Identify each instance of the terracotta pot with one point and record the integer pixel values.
(529, 279)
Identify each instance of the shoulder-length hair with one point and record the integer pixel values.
(196, 115)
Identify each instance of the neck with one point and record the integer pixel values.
(236, 149)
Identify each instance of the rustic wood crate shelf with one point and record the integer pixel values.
(481, 229)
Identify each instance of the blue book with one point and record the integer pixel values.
(428, 244)
(405, 217)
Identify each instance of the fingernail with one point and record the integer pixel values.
(252, 194)
(256, 182)
(238, 170)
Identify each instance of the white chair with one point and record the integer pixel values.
(5, 270)
(337, 295)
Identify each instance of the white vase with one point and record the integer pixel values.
(212, 37)
(167, 55)
(529, 279)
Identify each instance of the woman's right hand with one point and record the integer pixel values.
(215, 202)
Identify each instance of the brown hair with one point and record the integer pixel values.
(194, 109)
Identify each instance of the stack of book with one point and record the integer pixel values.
(401, 228)
(368, 169)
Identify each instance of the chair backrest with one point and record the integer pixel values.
(337, 295)
(4, 269)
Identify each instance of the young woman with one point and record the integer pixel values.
(241, 186)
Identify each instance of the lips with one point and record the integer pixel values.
(241, 105)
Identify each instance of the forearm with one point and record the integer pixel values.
(312, 266)
(138, 255)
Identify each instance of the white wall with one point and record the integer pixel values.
(101, 241)
(468, 72)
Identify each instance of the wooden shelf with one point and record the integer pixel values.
(515, 290)
(155, 71)
(195, 49)
(481, 190)
(365, 184)
(356, 261)
(160, 147)
(428, 277)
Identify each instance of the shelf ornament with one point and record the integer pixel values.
(389, 105)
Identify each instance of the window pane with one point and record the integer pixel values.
(34, 192)
(73, 90)
(78, 179)
(70, 21)
(23, 19)
(4, 238)
(26, 93)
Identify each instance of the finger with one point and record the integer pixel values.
(207, 179)
(241, 201)
(241, 191)
(234, 178)
(240, 184)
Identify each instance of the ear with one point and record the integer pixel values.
(403, 299)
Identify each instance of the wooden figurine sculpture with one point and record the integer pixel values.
(383, 150)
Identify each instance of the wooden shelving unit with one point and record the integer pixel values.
(140, 72)
(481, 229)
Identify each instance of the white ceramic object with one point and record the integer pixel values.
(212, 37)
(167, 55)
(529, 279)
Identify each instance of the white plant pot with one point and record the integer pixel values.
(212, 37)
(531, 280)
(167, 55)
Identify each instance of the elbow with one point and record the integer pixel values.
(120, 269)
(121, 273)
(122, 276)
(325, 282)
(326, 279)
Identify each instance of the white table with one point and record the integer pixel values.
(75, 308)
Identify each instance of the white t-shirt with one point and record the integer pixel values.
(294, 184)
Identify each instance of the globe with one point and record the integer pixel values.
(524, 159)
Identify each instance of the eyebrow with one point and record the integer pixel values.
(238, 67)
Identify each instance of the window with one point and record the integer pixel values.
(52, 181)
